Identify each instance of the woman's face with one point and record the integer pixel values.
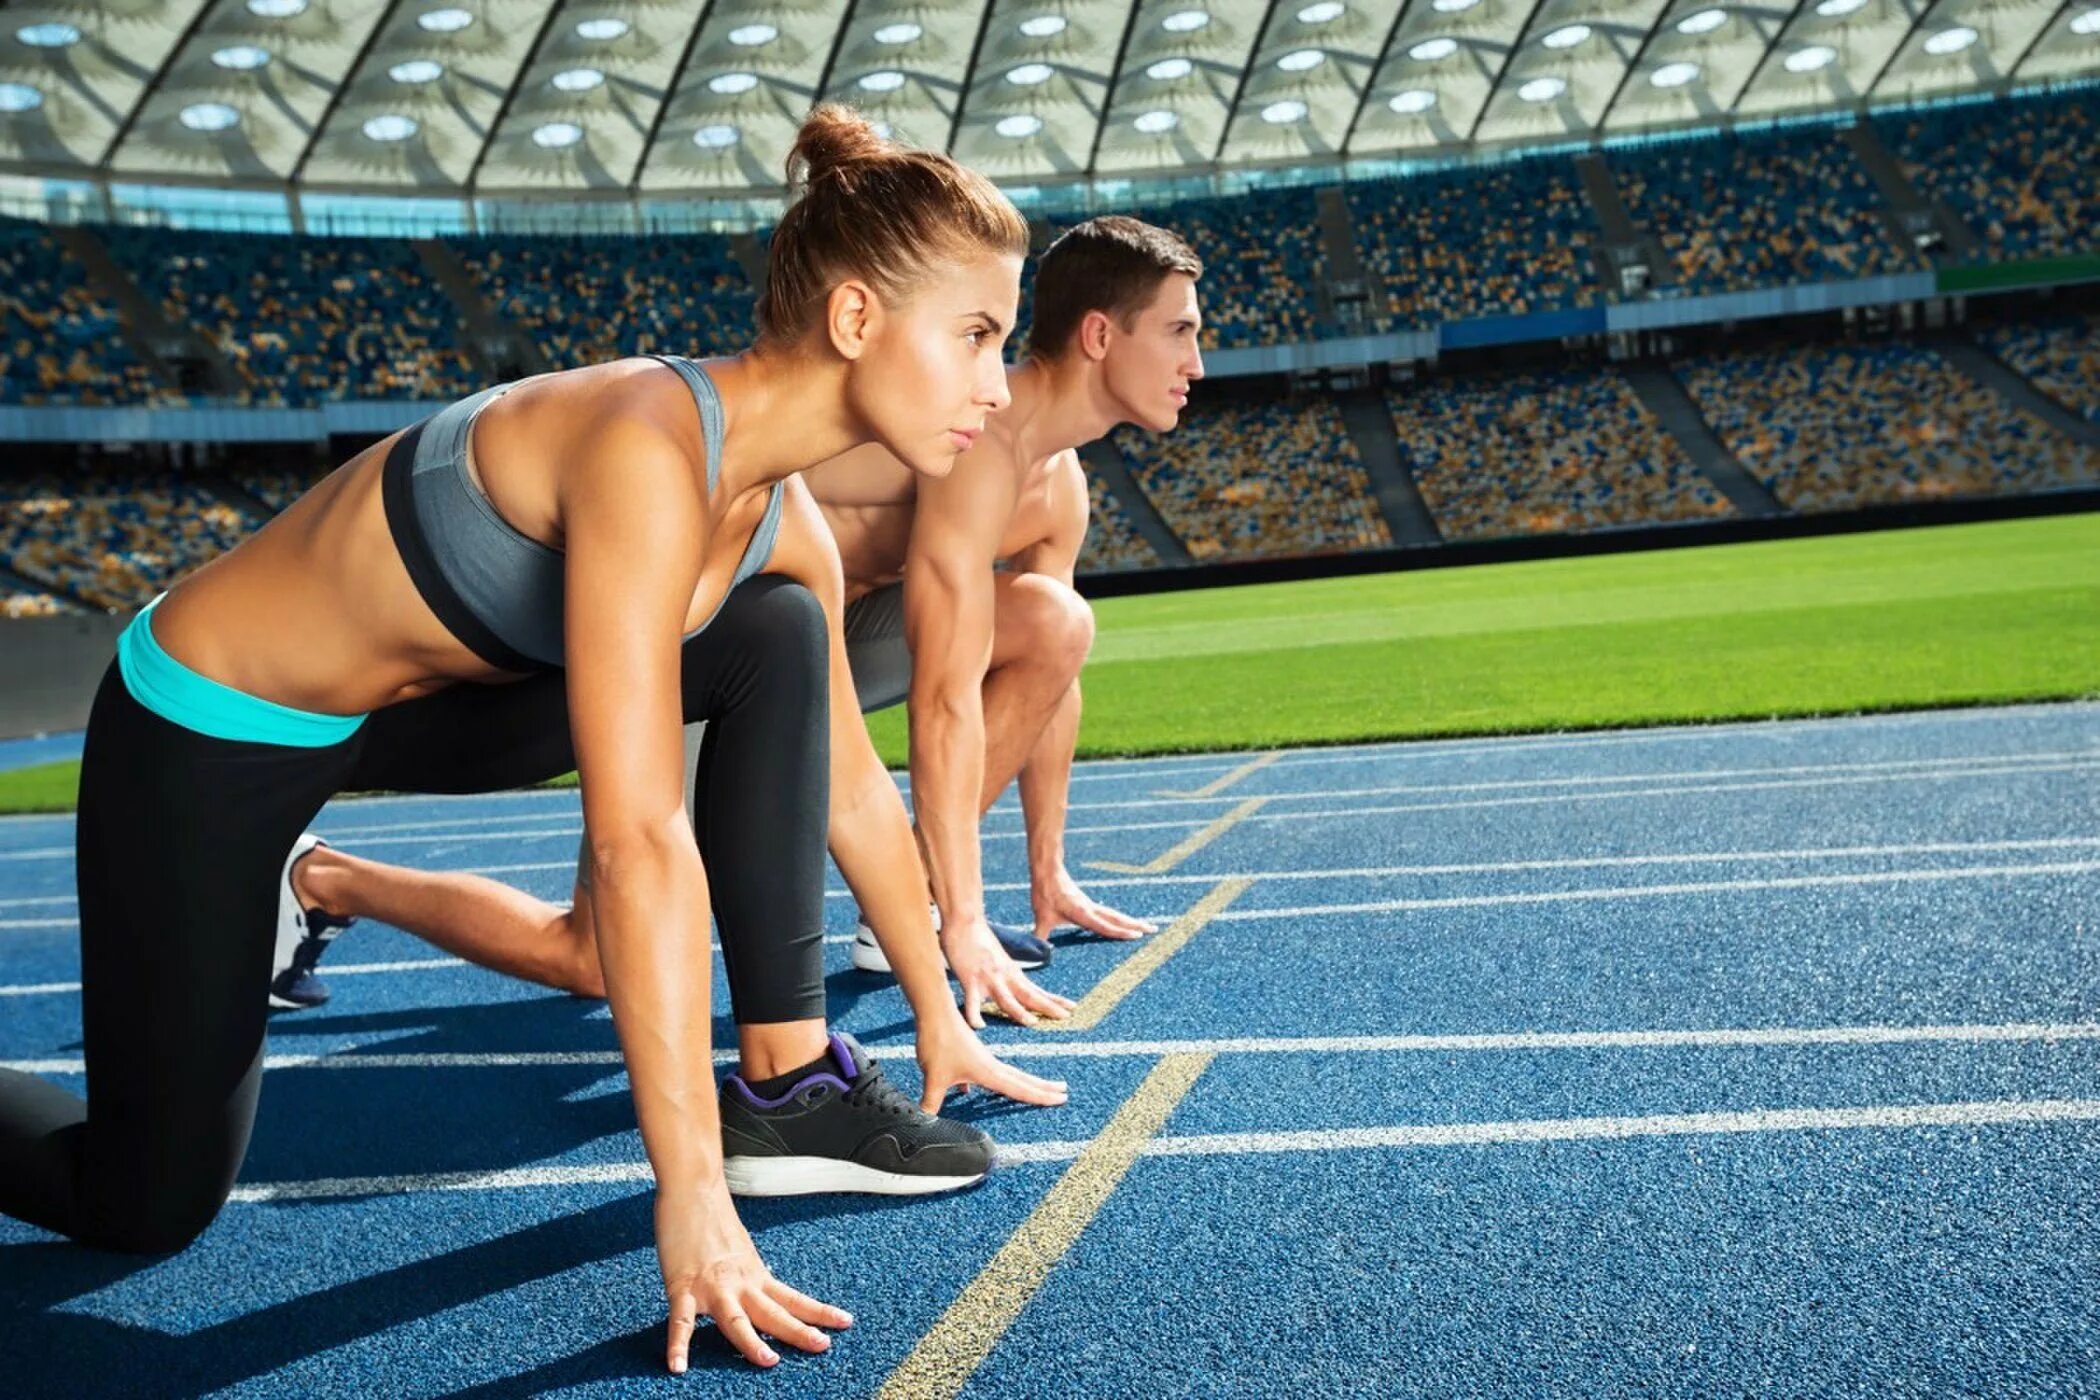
(930, 371)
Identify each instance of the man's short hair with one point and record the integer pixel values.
(1112, 264)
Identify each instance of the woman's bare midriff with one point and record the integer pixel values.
(316, 611)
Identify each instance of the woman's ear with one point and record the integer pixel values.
(852, 315)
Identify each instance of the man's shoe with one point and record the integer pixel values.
(844, 1127)
(1028, 952)
(302, 936)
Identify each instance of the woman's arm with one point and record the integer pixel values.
(872, 842)
(635, 527)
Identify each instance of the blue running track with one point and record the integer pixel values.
(1753, 1059)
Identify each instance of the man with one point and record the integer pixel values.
(988, 658)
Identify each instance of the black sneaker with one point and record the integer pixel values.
(852, 1130)
(302, 936)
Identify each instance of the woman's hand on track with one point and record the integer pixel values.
(955, 1056)
(711, 1269)
(988, 974)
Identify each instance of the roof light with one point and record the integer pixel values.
(1430, 50)
(1413, 102)
(1029, 74)
(1185, 21)
(553, 136)
(1043, 26)
(716, 136)
(1543, 89)
(208, 116)
(902, 33)
(1285, 112)
(1950, 40)
(882, 80)
(750, 36)
(2087, 23)
(578, 79)
(1169, 69)
(449, 20)
(241, 58)
(1832, 9)
(1155, 123)
(730, 84)
(1702, 22)
(1566, 37)
(1301, 60)
(19, 97)
(416, 71)
(391, 126)
(52, 34)
(1019, 125)
(1808, 60)
(599, 31)
(1452, 7)
(1673, 75)
(1321, 13)
(275, 9)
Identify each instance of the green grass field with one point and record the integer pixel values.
(1954, 615)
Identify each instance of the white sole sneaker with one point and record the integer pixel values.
(291, 921)
(809, 1176)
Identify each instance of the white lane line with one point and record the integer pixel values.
(1610, 779)
(1786, 882)
(1747, 1037)
(1370, 872)
(332, 969)
(1684, 790)
(1366, 872)
(1979, 1113)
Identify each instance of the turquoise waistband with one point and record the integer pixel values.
(181, 696)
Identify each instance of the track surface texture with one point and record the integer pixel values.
(1757, 1059)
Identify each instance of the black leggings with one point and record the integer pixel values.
(181, 841)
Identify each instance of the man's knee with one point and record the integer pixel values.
(1057, 625)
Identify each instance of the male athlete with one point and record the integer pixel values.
(989, 658)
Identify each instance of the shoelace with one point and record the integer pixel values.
(873, 1091)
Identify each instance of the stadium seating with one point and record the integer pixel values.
(585, 300)
(1500, 240)
(1832, 428)
(2018, 171)
(113, 541)
(2059, 355)
(1112, 542)
(1759, 210)
(1243, 482)
(305, 320)
(1544, 454)
(59, 342)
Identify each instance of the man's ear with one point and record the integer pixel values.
(1095, 329)
(852, 315)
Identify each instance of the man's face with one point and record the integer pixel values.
(1151, 362)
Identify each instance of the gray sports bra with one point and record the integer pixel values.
(510, 586)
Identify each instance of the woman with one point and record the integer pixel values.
(554, 574)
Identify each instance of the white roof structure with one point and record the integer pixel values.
(701, 97)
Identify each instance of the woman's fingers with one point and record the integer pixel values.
(744, 1337)
(777, 1322)
(807, 1308)
(1023, 1087)
(685, 1315)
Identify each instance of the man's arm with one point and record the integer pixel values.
(948, 610)
(870, 837)
(1046, 774)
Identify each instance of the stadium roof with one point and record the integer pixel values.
(702, 96)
